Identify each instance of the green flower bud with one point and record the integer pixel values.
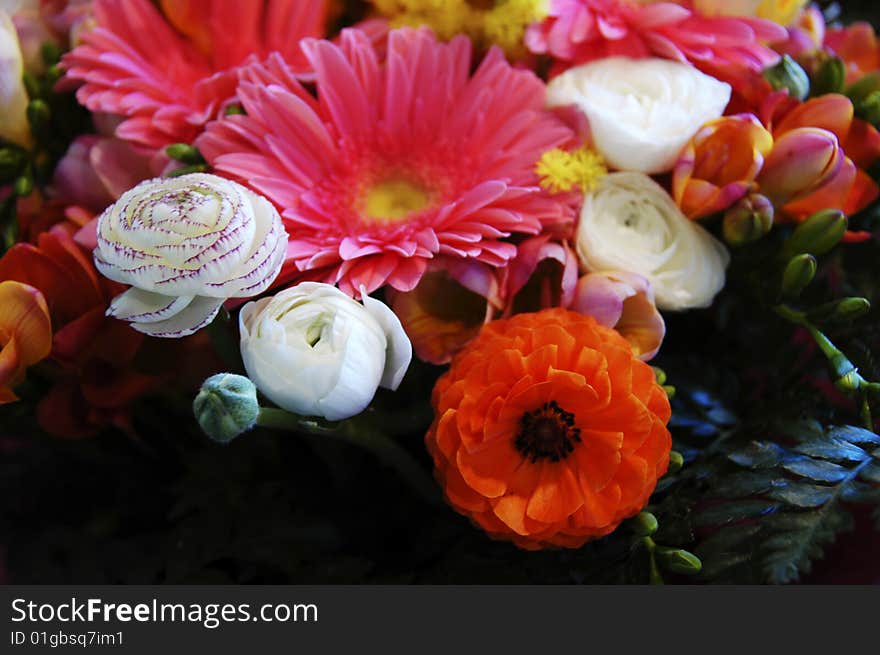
(644, 524)
(869, 108)
(788, 74)
(818, 234)
(799, 272)
(51, 53)
(860, 91)
(185, 153)
(186, 170)
(841, 311)
(748, 220)
(38, 115)
(23, 186)
(678, 560)
(226, 406)
(830, 77)
(659, 375)
(11, 162)
(676, 461)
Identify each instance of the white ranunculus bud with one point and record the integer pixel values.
(13, 96)
(186, 244)
(641, 112)
(630, 223)
(313, 350)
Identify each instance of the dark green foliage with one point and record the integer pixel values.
(783, 504)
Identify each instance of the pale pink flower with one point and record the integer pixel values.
(625, 302)
(395, 162)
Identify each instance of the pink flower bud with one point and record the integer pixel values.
(625, 302)
(801, 161)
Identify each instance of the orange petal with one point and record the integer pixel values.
(557, 495)
(25, 316)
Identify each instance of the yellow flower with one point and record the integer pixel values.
(561, 170)
(487, 22)
(783, 12)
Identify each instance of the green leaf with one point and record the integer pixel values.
(758, 454)
(871, 473)
(734, 512)
(854, 434)
(801, 494)
(833, 449)
(816, 469)
(747, 483)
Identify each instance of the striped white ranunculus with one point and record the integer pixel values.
(185, 245)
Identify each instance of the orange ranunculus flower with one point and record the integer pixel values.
(857, 46)
(548, 431)
(25, 334)
(720, 164)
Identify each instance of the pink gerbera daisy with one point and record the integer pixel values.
(578, 31)
(171, 73)
(393, 163)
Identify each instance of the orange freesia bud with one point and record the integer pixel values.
(447, 308)
(720, 164)
(801, 161)
(25, 333)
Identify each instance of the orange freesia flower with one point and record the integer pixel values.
(720, 164)
(819, 156)
(447, 308)
(548, 431)
(25, 334)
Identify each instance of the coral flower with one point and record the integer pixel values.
(720, 164)
(25, 333)
(819, 156)
(548, 431)
(394, 163)
(857, 46)
(578, 31)
(167, 84)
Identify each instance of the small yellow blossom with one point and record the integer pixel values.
(562, 170)
(487, 22)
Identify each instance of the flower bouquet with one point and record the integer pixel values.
(439, 291)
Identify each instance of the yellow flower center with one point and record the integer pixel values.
(394, 199)
(561, 170)
(488, 22)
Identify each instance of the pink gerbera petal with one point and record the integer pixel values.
(578, 31)
(398, 160)
(169, 84)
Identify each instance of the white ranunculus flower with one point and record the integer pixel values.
(630, 223)
(641, 112)
(13, 97)
(186, 244)
(313, 350)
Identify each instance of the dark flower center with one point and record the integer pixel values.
(547, 433)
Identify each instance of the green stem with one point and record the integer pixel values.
(654, 576)
(357, 433)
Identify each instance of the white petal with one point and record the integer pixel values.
(398, 353)
(193, 318)
(137, 305)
